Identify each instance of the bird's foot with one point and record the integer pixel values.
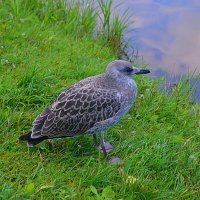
(107, 147)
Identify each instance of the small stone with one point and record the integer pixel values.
(114, 161)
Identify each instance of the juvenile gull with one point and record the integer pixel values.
(90, 106)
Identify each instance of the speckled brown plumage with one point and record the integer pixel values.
(77, 110)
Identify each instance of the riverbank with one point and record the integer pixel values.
(43, 51)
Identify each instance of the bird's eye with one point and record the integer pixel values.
(128, 69)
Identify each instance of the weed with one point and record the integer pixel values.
(112, 26)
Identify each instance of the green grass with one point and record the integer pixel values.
(158, 141)
(113, 26)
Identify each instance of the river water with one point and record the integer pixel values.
(166, 34)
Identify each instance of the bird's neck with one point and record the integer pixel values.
(120, 80)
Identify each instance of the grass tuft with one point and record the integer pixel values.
(113, 26)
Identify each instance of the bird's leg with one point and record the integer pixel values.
(106, 147)
(95, 140)
(103, 149)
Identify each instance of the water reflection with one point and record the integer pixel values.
(166, 32)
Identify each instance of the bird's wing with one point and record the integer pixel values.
(76, 111)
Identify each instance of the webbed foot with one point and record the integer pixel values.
(106, 147)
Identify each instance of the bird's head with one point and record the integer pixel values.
(121, 68)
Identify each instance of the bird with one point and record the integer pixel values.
(90, 106)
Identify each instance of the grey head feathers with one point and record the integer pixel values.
(90, 106)
(121, 69)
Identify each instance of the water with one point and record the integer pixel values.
(166, 34)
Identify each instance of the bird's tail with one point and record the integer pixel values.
(25, 137)
(31, 141)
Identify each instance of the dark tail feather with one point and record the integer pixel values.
(25, 137)
(31, 141)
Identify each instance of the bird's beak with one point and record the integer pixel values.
(143, 71)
